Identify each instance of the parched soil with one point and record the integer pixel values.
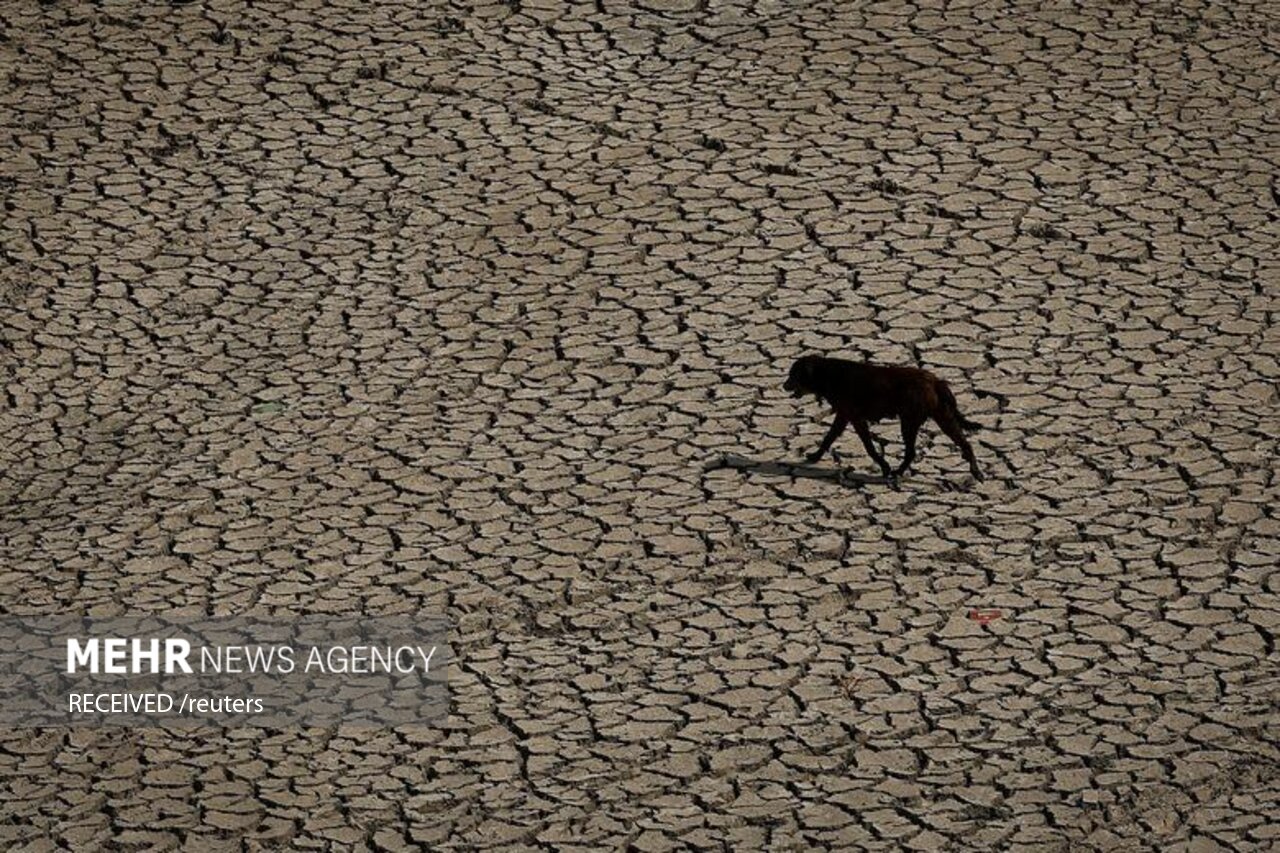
(386, 307)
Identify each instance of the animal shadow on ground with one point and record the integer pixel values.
(772, 468)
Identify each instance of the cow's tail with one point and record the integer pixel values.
(949, 404)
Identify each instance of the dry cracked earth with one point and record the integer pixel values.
(399, 307)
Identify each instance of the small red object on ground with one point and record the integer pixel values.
(982, 616)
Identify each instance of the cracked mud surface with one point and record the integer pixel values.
(374, 308)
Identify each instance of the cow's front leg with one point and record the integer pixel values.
(868, 441)
(837, 427)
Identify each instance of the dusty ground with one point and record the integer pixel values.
(393, 306)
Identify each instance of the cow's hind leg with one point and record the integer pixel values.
(950, 423)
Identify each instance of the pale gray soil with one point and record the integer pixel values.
(387, 306)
